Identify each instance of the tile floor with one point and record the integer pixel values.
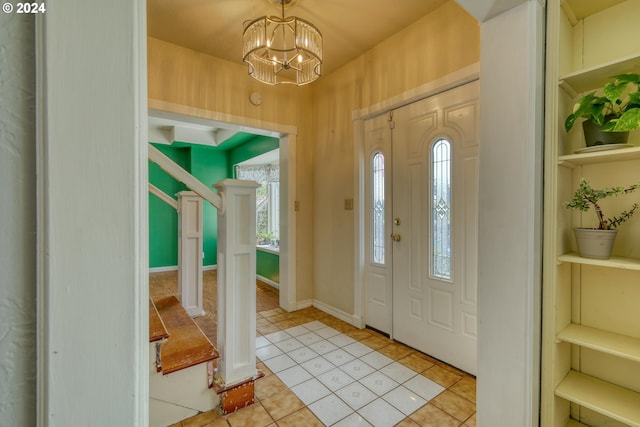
(321, 371)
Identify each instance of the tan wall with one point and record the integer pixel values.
(436, 45)
(186, 77)
(440, 43)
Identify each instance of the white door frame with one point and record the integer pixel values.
(450, 81)
(287, 135)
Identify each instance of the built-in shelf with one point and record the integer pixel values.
(613, 262)
(574, 423)
(595, 77)
(620, 154)
(615, 402)
(607, 342)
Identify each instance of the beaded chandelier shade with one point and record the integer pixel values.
(282, 50)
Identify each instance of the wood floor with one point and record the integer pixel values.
(166, 283)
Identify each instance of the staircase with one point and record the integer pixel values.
(181, 364)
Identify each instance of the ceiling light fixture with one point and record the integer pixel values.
(282, 50)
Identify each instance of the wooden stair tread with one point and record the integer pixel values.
(157, 330)
(187, 345)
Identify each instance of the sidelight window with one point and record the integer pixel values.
(441, 210)
(378, 208)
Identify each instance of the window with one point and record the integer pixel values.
(267, 200)
(441, 210)
(377, 209)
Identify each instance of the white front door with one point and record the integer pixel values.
(427, 279)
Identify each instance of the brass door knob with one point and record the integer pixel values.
(395, 237)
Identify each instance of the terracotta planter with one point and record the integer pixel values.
(594, 243)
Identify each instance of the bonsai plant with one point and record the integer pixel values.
(618, 110)
(598, 242)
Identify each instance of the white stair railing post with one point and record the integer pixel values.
(237, 281)
(190, 241)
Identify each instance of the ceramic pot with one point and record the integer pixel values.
(594, 243)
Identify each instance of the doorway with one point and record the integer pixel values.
(211, 124)
(420, 224)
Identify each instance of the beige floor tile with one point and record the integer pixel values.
(416, 361)
(262, 322)
(268, 386)
(287, 323)
(276, 318)
(431, 416)
(263, 368)
(442, 376)
(282, 404)
(302, 418)
(254, 415)
(395, 351)
(407, 422)
(277, 406)
(217, 423)
(471, 422)
(452, 369)
(359, 334)
(266, 330)
(466, 388)
(376, 342)
(454, 405)
(204, 419)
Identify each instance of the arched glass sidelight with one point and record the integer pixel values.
(377, 208)
(441, 210)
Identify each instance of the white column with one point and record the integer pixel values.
(93, 267)
(190, 252)
(510, 217)
(237, 280)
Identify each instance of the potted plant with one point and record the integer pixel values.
(598, 242)
(609, 118)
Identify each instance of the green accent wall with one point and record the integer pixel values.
(163, 219)
(250, 149)
(209, 165)
(268, 265)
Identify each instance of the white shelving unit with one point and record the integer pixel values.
(600, 340)
(608, 399)
(590, 326)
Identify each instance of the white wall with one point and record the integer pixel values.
(509, 258)
(92, 214)
(17, 222)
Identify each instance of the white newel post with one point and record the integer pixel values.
(190, 252)
(237, 281)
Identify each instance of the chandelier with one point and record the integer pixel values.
(282, 50)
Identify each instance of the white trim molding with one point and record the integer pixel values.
(269, 282)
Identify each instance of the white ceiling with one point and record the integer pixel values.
(349, 27)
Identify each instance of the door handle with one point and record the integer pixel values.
(396, 237)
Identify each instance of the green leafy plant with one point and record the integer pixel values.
(618, 110)
(586, 197)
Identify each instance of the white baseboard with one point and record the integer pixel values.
(163, 269)
(268, 281)
(175, 268)
(299, 305)
(346, 317)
